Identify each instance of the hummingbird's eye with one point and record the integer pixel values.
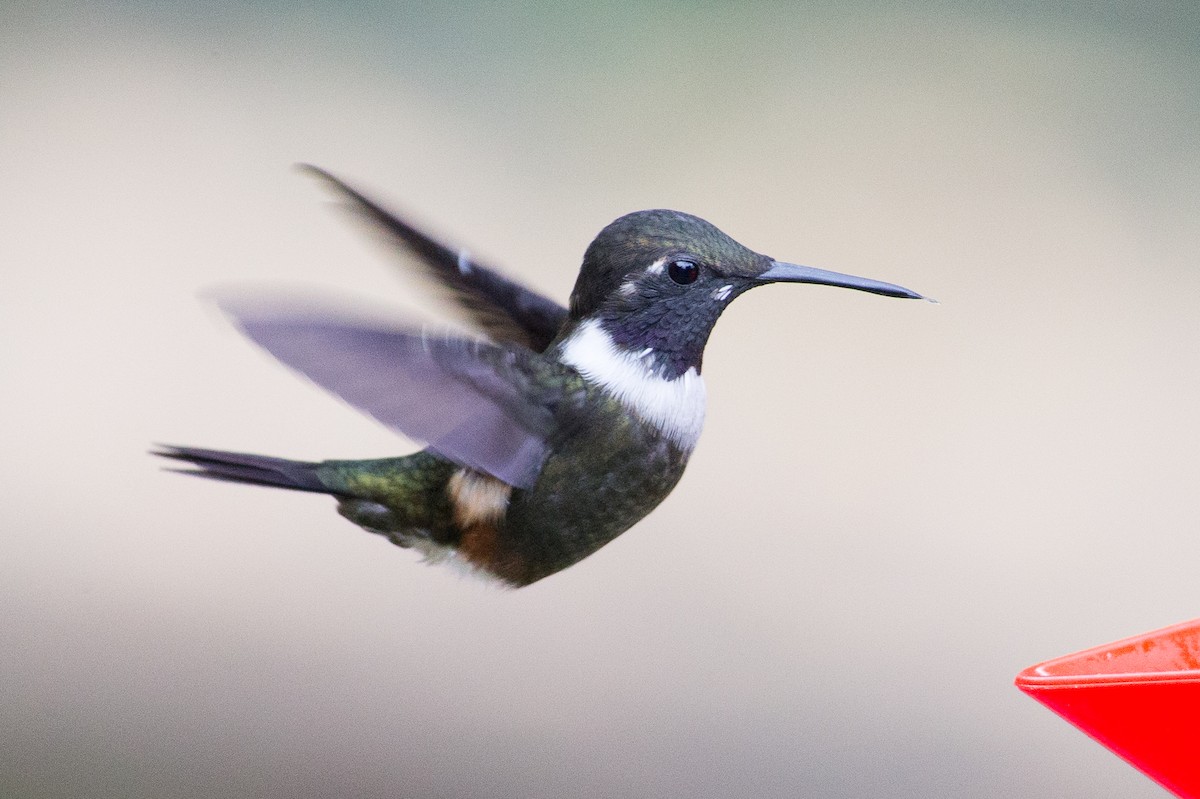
(683, 272)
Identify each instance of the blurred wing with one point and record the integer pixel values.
(502, 309)
(473, 402)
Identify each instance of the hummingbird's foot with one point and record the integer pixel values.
(377, 518)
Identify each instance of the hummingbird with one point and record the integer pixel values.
(549, 433)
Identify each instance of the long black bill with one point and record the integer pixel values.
(793, 273)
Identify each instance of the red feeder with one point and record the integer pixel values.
(1140, 697)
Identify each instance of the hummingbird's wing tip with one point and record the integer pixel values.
(497, 306)
(311, 169)
(469, 400)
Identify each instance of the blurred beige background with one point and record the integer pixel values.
(895, 506)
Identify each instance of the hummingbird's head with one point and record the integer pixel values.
(655, 282)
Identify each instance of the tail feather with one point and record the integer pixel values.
(238, 467)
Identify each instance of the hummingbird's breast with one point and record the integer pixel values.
(615, 466)
(595, 486)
